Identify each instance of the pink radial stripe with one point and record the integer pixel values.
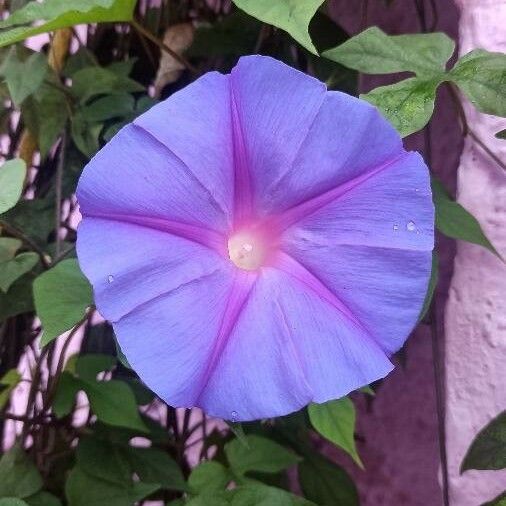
(239, 293)
(312, 205)
(206, 237)
(243, 192)
(286, 263)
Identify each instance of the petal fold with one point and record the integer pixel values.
(275, 106)
(129, 265)
(134, 174)
(170, 339)
(288, 348)
(347, 139)
(195, 125)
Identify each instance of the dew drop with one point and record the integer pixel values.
(396, 227)
(110, 278)
(233, 416)
(411, 226)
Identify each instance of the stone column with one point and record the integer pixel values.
(476, 310)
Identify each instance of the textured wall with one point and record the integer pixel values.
(476, 309)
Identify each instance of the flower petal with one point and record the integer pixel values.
(348, 138)
(274, 106)
(195, 126)
(383, 288)
(172, 340)
(129, 265)
(134, 174)
(388, 207)
(371, 246)
(288, 348)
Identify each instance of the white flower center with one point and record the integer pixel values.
(246, 250)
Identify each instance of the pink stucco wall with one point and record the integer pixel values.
(476, 309)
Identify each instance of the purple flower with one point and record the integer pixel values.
(257, 241)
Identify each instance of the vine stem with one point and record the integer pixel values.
(51, 389)
(58, 190)
(437, 362)
(32, 394)
(441, 415)
(468, 131)
(18, 234)
(164, 47)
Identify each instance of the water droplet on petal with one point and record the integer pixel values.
(411, 226)
(233, 416)
(110, 278)
(396, 227)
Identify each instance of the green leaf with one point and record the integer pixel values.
(13, 269)
(375, 52)
(9, 381)
(17, 4)
(45, 114)
(210, 499)
(116, 463)
(261, 455)
(18, 475)
(88, 366)
(209, 476)
(143, 395)
(12, 501)
(34, 217)
(234, 35)
(488, 450)
(16, 71)
(43, 499)
(92, 81)
(325, 483)
(367, 390)
(109, 107)
(86, 135)
(454, 221)
(121, 356)
(65, 396)
(156, 466)
(263, 495)
(335, 421)
(18, 299)
(12, 178)
(8, 248)
(238, 431)
(293, 16)
(61, 295)
(60, 14)
(408, 104)
(83, 489)
(500, 500)
(501, 134)
(481, 75)
(434, 274)
(103, 460)
(114, 403)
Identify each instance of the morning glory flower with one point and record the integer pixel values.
(257, 242)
